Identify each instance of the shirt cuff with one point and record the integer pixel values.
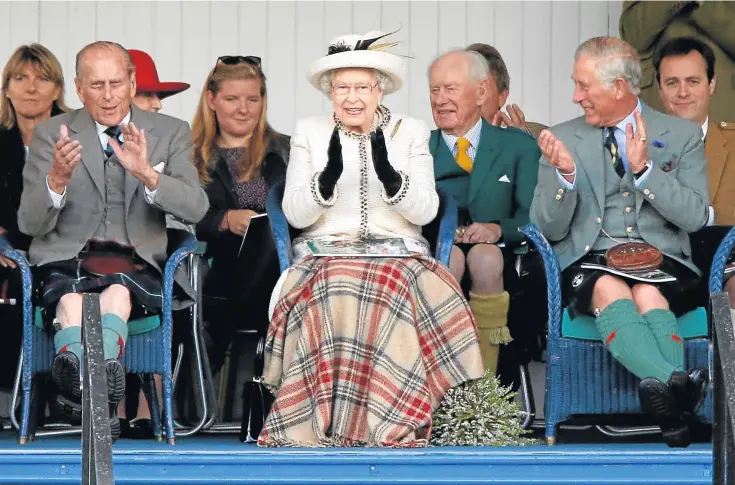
(565, 182)
(56, 199)
(710, 216)
(637, 182)
(150, 195)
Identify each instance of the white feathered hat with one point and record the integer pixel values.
(361, 50)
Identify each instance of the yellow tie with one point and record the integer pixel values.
(463, 160)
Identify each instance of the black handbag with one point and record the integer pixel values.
(256, 399)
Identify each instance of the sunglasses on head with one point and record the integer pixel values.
(233, 60)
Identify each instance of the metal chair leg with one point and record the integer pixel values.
(529, 406)
(151, 395)
(199, 353)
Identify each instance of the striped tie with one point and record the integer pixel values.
(612, 145)
(463, 160)
(112, 132)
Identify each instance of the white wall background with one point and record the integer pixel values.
(536, 38)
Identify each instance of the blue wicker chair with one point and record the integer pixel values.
(283, 233)
(147, 351)
(717, 273)
(582, 378)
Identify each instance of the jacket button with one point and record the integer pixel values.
(629, 229)
(625, 194)
(598, 220)
(646, 191)
(651, 196)
(586, 248)
(628, 209)
(558, 197)
(560, 191)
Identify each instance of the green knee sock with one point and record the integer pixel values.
(114, 335)
(630, 341)
(69, 339)
(666, 331)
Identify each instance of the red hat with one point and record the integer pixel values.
(146, 77)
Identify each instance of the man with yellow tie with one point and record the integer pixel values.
(492, 173)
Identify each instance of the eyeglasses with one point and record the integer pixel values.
(234, 60)
(342, 89)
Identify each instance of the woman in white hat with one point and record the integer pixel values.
(360, 350)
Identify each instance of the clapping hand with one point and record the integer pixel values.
(333, 171)
(636, 147)
(390, 178)
(67, 154)
(556, 153)
(133, 155)
(514, 118)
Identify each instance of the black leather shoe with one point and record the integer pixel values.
(66, 374)
(124, 427)
(658, 400)
(141, 429)
(115, 382)
(689, 388)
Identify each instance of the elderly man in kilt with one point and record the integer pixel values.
(100, 225)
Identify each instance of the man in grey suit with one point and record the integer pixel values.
(100, 225)
(625, 173)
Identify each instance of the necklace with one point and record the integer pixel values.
(381, 118)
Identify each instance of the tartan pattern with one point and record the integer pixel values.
(361, 351)
(612, 145)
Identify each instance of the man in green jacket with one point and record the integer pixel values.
(648, 25)
(491, 172)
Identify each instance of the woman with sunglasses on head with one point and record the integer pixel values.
(238, 156)
(361, 349)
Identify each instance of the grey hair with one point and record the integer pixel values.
(479, 68)
(325, 80)
(615, 59)
(102, 45)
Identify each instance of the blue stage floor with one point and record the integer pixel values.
(223, 460)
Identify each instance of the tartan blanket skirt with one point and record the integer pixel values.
(361, 351)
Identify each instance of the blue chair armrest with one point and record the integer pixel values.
(447, 227)
(553, 277)
(282, 235)
(186, 245)
(279, 225)
(717, 270)
(16, 256)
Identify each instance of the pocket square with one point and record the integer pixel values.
(505, 179)
(159, 168)
(670, 165)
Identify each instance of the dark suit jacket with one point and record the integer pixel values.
(12, 160)
(504, 174)
(221, 189)
(238, 286)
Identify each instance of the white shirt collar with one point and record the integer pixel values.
(101, 129)
(705, 125)
(630, 118)
(472, 135)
